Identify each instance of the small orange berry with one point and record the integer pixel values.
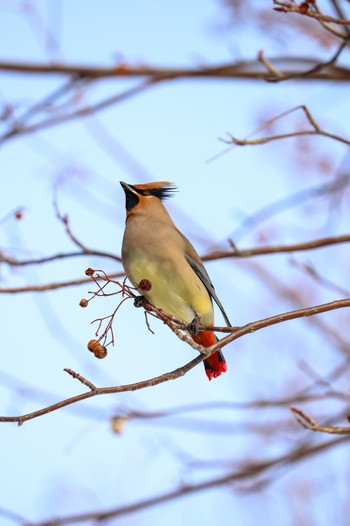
(99, 350)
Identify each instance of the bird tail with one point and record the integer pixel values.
(216, 363)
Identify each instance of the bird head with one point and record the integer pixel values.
(139, 195)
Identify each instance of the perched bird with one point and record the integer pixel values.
(155, 250)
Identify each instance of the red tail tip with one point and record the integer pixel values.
(214, 373)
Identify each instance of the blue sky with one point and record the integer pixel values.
(71, 457)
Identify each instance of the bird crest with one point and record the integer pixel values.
(161, 189)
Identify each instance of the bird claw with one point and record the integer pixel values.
(139, 301)
(193, 326)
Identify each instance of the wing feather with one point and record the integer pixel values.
(204, 277)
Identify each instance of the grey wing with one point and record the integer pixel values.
(204, 277)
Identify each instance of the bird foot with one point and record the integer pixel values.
(193, 326)
(140, 301)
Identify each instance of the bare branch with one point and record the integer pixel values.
(152, 76)
(65, 221)
(218, 254)
(277, 75)
(340, 13)
(308, 422)
(172, 375)
(334, 188)
(181, 371)
(81, 379)
(273, 320)
(251, 470)
(52, 286)
(316, 130)
(312, 12)
(13, 262)
(277, 249)
(248, 69)
(301, 397)
(311, 271)
(19, 129)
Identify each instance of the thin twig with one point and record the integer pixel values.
(53, 286)
(81, 379)
(318, 278)
(275, 72)
(340, 13)
(334, 188)
(310, 423)
(264, 140)
(292, 7)
(316, 130)
(13, 262)
(278, 75)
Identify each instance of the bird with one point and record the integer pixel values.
(155, 250)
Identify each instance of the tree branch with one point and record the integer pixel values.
(247, 69)
(22, 129)
(238, 332)
(252, 469)
(277, 249)
(212, 256)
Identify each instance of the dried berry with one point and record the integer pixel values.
(89, 271)
(97, 348)
(304, 7)
(83, 302)
(100, 352)
(145, 285)
(91, 345)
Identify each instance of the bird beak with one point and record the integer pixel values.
(127, 187)
(131, 197)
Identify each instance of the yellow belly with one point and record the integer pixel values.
(176, 289)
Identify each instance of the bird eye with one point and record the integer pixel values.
(146, 193)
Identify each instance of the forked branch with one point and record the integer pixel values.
(315, 130)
